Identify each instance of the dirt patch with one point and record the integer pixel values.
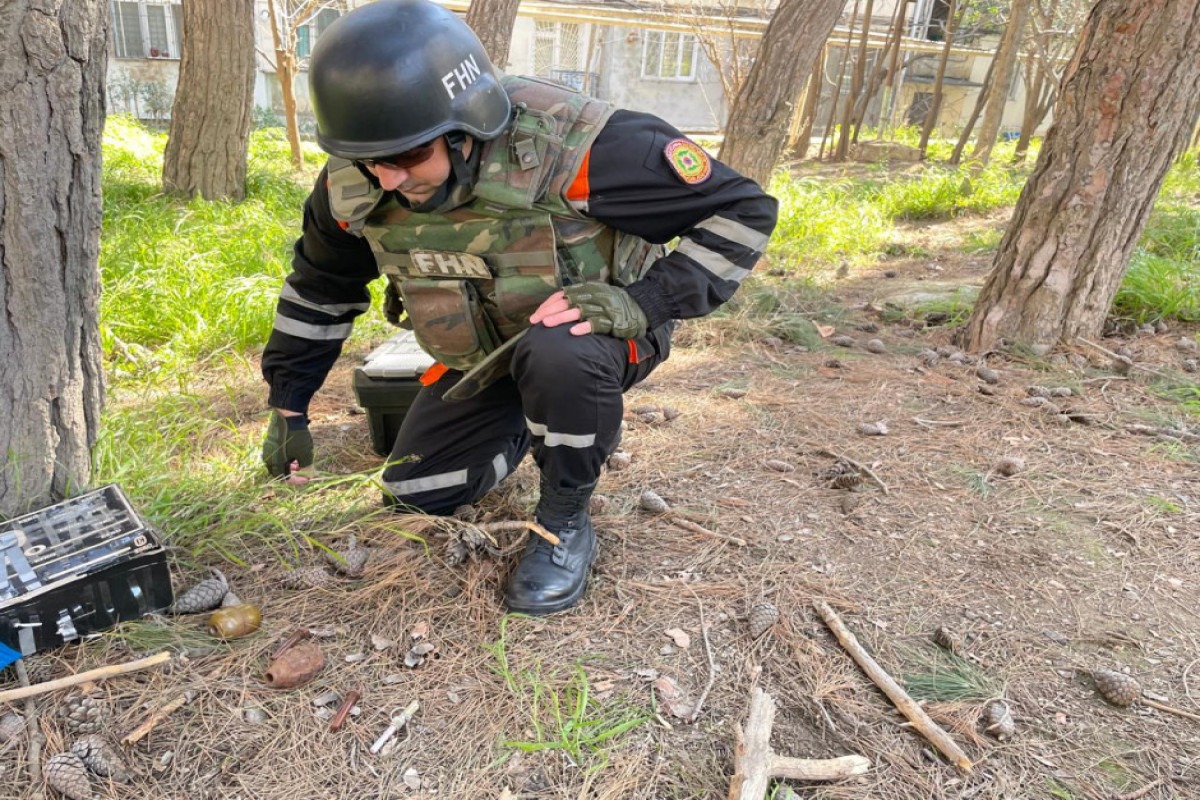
(1086, 558)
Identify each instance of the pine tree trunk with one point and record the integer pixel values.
(210, 120)
(1126, 110)
(812, 101)
(492, 21)
(758, 121)
(51, 377)
(857, 79)
(939, 83)
(1006, 59)
(284, 39)
(980, 101)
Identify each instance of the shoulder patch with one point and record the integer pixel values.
(688, 160)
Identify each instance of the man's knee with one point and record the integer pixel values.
(558, 355)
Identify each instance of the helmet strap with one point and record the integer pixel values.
(464, 172)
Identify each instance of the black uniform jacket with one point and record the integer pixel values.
(641, 176)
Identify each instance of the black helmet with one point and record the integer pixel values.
(394, 74)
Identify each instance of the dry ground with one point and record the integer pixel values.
(1089, 558)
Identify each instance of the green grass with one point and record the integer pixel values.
(947, 677)
(561, 711)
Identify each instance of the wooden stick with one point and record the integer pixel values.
(141, 731)
(712, 665)
(83, 677)
(518, 525)
(757, 763)
(936, 423)
(907, 706)
(31, 727)
(857, 466)
(688, 525)
(1169, 709)
(1116, 357)
(1142, 792)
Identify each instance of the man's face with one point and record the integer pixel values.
(418, 182)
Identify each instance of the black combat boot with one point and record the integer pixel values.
(552, 577)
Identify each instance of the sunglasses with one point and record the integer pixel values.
(406, 160)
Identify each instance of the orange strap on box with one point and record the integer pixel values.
(434, 374)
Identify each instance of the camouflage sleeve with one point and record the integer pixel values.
(646, 178)
(326, 290)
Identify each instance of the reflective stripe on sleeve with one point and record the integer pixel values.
(736, 232)
(715, 263)
(332, 309)
(553, 439)
(304, 330)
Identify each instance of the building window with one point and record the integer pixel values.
(145, 29)
(671, 56)
(556, 47)
(310, 31)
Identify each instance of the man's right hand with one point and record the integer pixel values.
(287, 441)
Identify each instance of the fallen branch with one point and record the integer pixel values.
(141, 731)
(712, 665)
(83, 677)
(508, 526)
(688, 525)
(1142, 792)
(31, 727)
(1120, 359)
(756, 763)
(907, 706)
(860, 467)
(1169, 709)
(939, 423)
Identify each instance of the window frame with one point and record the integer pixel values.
(171, 25)
(661, 37)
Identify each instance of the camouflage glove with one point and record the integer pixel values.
(287, 440)
(609, 308)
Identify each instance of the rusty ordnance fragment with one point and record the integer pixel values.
(296, 667)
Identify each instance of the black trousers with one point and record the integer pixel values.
(563, 398)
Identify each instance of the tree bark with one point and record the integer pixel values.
(756, 135)
(492, 21)
(1006, 59)
(52, 71)
(210, 120)
(954, 17)
(980, 101)
(812, 101)
(856, 83)
(1126, 109)
(877, 71)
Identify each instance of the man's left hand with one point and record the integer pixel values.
(597, 307)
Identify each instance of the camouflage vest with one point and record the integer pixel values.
(470, 277)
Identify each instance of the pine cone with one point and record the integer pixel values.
(84, 715)
(948, 639)
(12, 726)
(998, 721)
(352, 561)
(762, 616)
(651, 501)
(204, 596)
(230, 599)
(67, 773)
(307, 578)
(99, 756)
(1117, 687)
(842, 475)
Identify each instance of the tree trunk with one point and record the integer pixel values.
(1006, 59)
(210, 121)
(51, 377)
(877, 71)
(812, 101)
(1126, 109)
(758, 121)
(935, 105)
(980, 101)
(492, 21)
(856, 83)
(284, 39)
(1040, 94)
